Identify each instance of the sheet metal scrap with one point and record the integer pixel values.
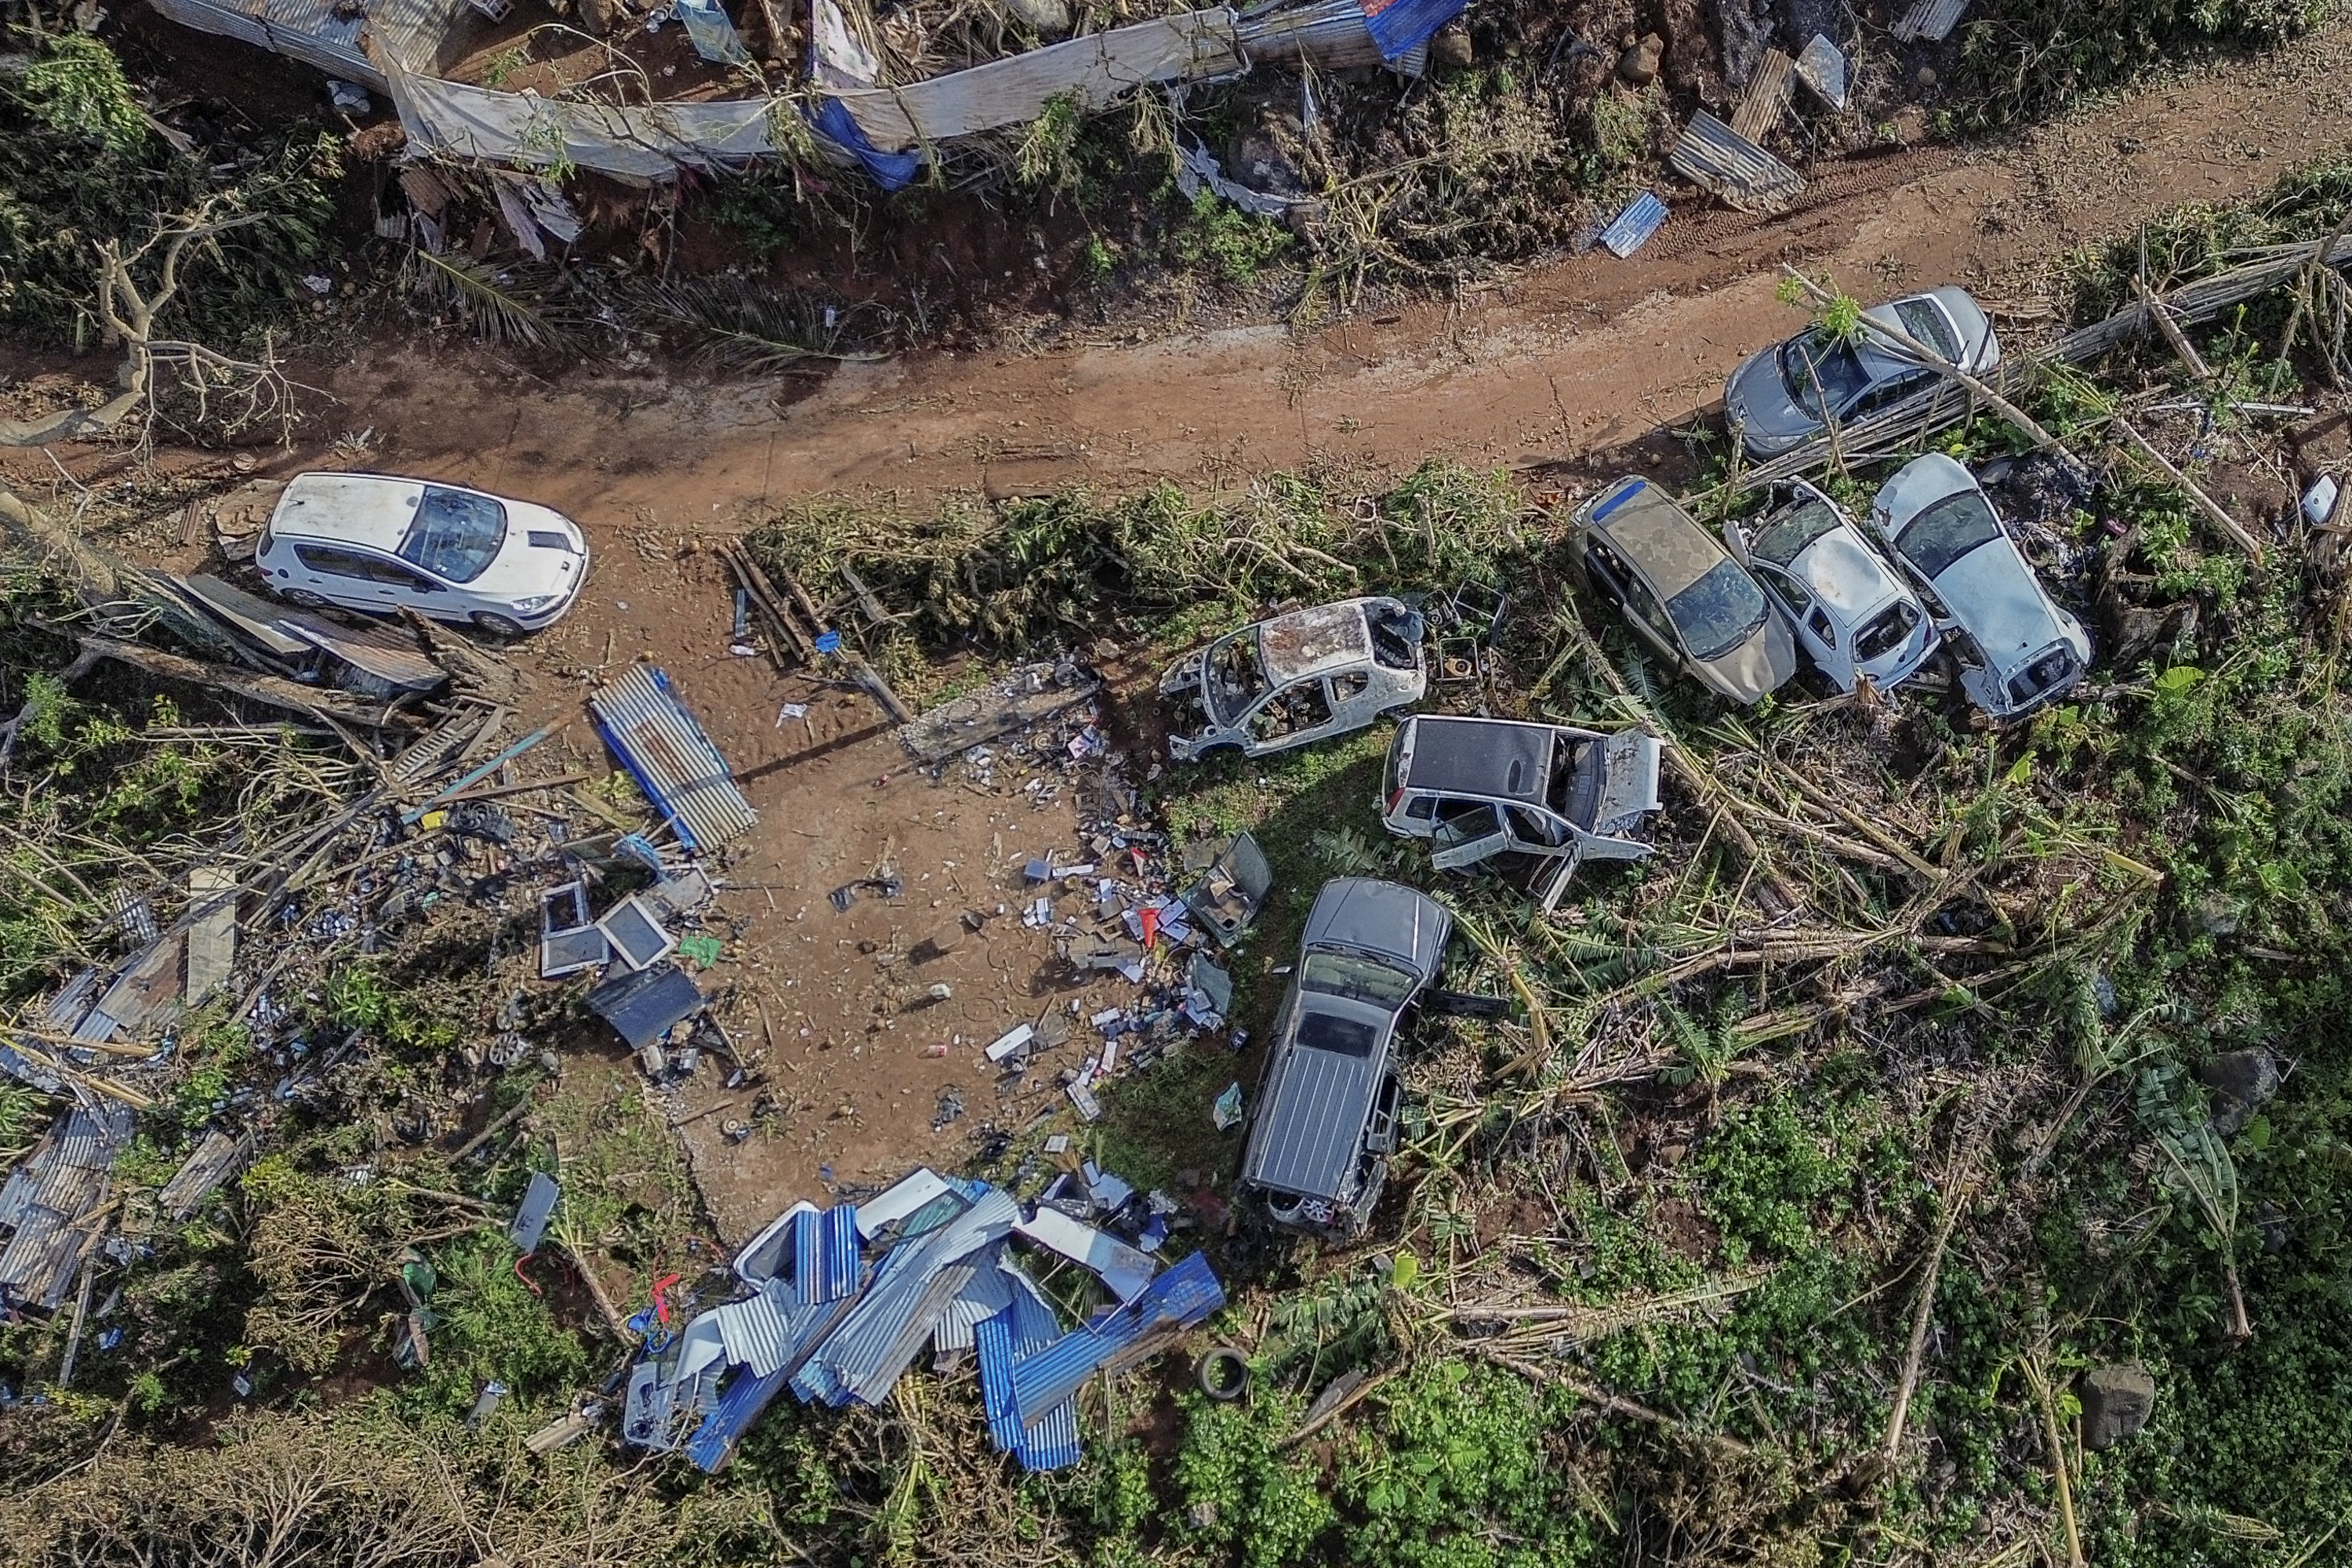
(1712, 155)
(841, 1302)
(55, 1205)
(1024, 700)
(670, 758)
(1768, 98)
(1928, 20)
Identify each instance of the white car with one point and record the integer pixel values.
(375, 543)
(1854, 615)
(2017, 650)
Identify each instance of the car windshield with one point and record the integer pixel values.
(1356, 977)
(1926, 323)
(457, 534)
(1785, 534)
(1719, 612)
(1885, 633)
(1233, 678)
(1817, 362)
(1946, 530)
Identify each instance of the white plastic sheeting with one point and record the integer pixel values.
(647, 140)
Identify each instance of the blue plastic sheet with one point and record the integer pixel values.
(891, 170)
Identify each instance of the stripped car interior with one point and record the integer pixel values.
(1298, 677)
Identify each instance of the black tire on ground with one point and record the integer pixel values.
(1223, 1374)
(304, 597)
(499, 625)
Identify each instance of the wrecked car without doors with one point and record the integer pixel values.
(1854, 615)
(2016, 651)
(1326, 1121)
(1481, 787)
(1681, 591)
(1296, 678)
(1783, 396)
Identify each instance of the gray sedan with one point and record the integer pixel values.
(1680, 592)
(1326, 1115)
(1783, 396)
(2017, 650)
(1854, 613)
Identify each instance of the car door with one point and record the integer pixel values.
(390, 583)
(1644, 612)
(1887, 393)
(1467, 833)
(339, 576)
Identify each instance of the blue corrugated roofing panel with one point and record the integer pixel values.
(1182, 1295)
(825, 1255)
(1053, 1443)
(671, 759)
(741, 1403)
(1634, 226)
(1400, 27)
(993, 1339)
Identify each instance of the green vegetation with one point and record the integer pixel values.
(2021, 60)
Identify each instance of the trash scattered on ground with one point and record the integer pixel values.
(841, 1302)
(1631, 228)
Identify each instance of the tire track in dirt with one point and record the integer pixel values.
(1582, 355)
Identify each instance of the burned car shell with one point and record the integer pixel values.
(2017, 650)
(1854, 615)
(1681, 591)
(1298, 677)
(1481, 787)
(1772, 405)
(1326, 1115)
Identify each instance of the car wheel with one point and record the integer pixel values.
(304, 597)
(499, 625)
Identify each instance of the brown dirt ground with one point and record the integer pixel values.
(1552, 368)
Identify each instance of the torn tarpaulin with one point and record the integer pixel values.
(1400, 27)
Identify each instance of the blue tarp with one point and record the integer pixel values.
(891, 170)
(1401, 26)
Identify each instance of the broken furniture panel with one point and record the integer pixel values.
(568, 942)
(212, 934)
(1229, 895)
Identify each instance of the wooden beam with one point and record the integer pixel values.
(2197, 497)
(2155, 310)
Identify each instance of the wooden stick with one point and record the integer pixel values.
(2039, 1382)
(1920, 1313)
(2155, 311)
(491, 792)
(2197, 497)
(505, 1120)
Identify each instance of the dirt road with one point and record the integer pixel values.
(1583, 355)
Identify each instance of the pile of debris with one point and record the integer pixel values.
(840, 1302)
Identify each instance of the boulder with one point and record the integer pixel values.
(1452, 46)
(1639, 64)
(2243, 1082)
(1046, 19)
(2117, 1400)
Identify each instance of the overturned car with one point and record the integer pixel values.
(1298, 677)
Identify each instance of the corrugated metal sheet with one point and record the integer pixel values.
(1932, 20)
(1051, 1444)
(648, 140)
(987, 1295)
(311, 31)
(1766, 97)
(1331, 34)
(1024, 1327)
(1191, 46)
(1633, 226)
(1400, 27)
(218, 1159)
(825, 1255)
(766, 1332)
(206, 16)
(671, 759)
(1711, 153)
(742, 1402)
(389, 656)
(1182, 1296)
(53, 1200)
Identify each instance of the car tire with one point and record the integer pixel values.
(499, 625)
(305, 598)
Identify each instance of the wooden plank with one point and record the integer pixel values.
(2171, 331)
(2197, 497)
(211, 939)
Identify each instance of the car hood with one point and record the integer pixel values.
(1380, 917)
(1757, 402)
(1757, 668)
(544, 552)
(1309, 1131)
(1996, 598)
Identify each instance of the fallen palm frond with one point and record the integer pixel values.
(756, 330)
(494, 312)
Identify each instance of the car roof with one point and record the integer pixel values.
(1500, 758)
(1307, 643)
(1310, 1131)
(1657, 537)
(371, 510)
(1845, 573)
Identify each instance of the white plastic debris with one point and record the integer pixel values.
(2319, 500)
(1821, 67)
(1012, 1040)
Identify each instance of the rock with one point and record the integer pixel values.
(1452, 46)
(1743, 31)
(1927, 77)
(2243, 1082)
(1639, 64)
(600, 17)
(1047, 18)
(2117, 1400)
(2217, 914)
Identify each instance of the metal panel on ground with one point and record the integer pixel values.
(1767, 98)
(1711, 153)
(742, 1402)
(670, 758)
(1632, 228)
(1932, 20)
(825, 1255)
(1400, 27)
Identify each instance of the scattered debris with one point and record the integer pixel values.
(1710, 154)
(1631, 228)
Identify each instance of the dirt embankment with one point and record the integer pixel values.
(1580, 357)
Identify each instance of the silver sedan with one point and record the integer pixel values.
(1854, 615)
(1785, 396)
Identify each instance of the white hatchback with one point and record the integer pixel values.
(376, 542)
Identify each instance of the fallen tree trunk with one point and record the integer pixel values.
(270, 690)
